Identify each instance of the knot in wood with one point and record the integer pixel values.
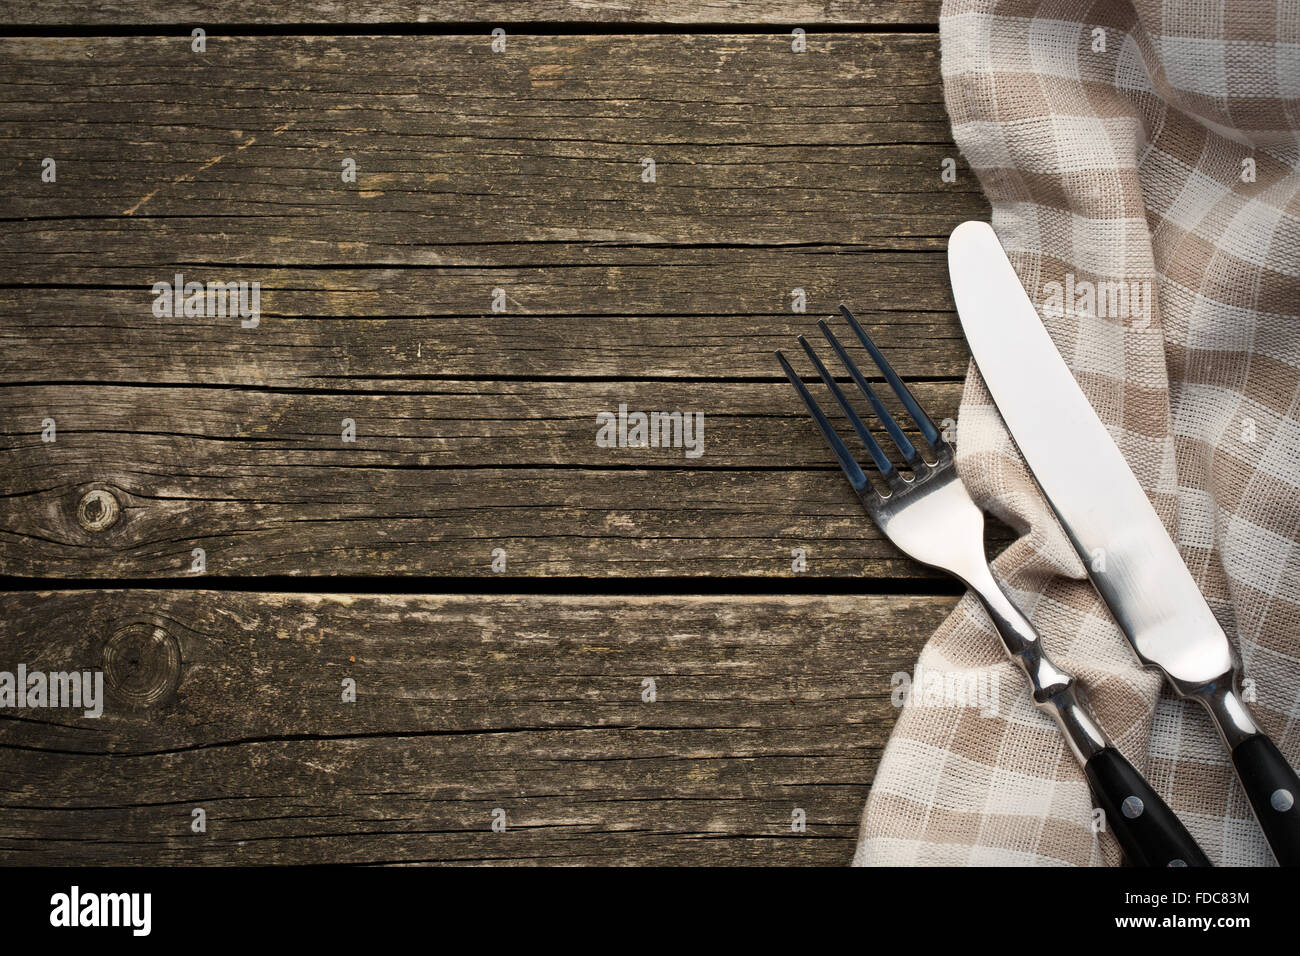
(142, 665)
(97, 510)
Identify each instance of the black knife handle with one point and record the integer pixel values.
(1147, 830)
(1274, 792)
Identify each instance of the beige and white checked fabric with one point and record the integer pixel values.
(1155, 145)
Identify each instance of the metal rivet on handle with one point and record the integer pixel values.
(1132, 807)
(1282, 800)
(97, 510)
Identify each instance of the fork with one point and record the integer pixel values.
(930, 516)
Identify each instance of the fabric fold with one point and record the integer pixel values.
(1142, 161)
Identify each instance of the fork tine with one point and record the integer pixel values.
(852, 470)
(883, 464)
(891, 424)
(922, 420)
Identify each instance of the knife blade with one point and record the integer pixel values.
(1131, 560)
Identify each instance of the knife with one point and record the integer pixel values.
(1105, 513)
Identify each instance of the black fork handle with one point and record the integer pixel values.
(1146, 829)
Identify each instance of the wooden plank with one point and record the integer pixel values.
(455, 12)
(520, 173)
(434, 482)
(465, 704)
(233, 158)
(647, 313)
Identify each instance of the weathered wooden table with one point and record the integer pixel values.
(384, 480)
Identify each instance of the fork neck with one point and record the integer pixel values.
(1017, 633)
(1054, 690)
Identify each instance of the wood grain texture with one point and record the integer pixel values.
(816, 171)
(464, 704)
(522, 171)
(688, 314)
(232, 159)
(435, 480)
(779, 12)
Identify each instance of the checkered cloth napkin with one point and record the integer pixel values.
(1155, 145)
